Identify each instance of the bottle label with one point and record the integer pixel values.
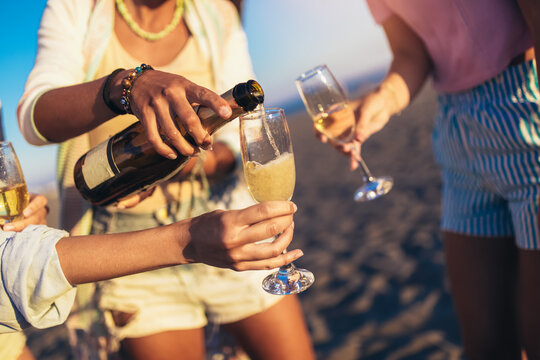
(96, 168)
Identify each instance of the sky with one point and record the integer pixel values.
(286, 38)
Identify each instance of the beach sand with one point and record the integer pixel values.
(380, 289)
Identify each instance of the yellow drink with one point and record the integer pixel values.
(337, 124)
(13, 200)
(272, 181)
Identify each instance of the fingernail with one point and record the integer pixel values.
(27, 212)
(121, 206)
(172, 156)
(8, 227)
(299, 254)
(225, 111)
(292, 225)
(294, 207)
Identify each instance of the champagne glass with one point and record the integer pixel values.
(267, 156)
(13, 192)
(327, 104)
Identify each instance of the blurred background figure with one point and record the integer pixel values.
(486, 142)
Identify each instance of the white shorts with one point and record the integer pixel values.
(176, 298)
(183, 297)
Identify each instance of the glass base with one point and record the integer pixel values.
(288, 280)
(374, 189)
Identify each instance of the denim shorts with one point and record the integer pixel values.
(487, 142)
(175, 298)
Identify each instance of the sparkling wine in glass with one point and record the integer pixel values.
(13, 191)
(327, 104)
(268, 160)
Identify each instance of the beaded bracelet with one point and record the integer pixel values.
(127, 86)
(106, 93)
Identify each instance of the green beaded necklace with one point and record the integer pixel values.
(122, 9)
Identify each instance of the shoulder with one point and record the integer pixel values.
(59, 13)
(225, 7)
(73, 8)
(224, 11)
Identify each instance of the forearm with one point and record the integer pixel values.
(99, 257)
(410, 66)
(405, 78)
(63, 113)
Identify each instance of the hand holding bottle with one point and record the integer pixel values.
(159, 99)
(127, 163)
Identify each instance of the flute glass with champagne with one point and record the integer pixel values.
(268, 160)
(13, 192)
(327, 104)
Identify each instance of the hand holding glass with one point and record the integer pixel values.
(327, 104)
(13, 191)
(268, 160)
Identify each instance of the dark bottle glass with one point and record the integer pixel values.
(127, 163)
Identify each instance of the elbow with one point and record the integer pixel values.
(27, 126)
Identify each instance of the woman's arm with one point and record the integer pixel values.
(408, 71)
(156, 98)
(226, 239)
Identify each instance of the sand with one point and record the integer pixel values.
(380, 289)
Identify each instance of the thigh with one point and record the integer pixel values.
(529, 300)
(483, 277)
(167, 345)
(280, 332)
(12, 346)
(26, 355)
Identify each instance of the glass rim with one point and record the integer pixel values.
(4, 143)
(268, 112)
(311, 72)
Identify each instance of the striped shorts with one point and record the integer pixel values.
(487, 142)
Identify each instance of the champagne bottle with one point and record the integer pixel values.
(126, 163)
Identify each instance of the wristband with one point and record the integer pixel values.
(106, 94)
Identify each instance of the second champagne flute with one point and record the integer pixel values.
(13, 191)
(268, 160)
(332, 115)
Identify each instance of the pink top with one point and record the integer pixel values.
(469, 41)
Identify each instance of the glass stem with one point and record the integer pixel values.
(356, 153)
(367, 173)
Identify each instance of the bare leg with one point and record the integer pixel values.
(529, 301)
(168, 345)
(483, 280)
(279, 332)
